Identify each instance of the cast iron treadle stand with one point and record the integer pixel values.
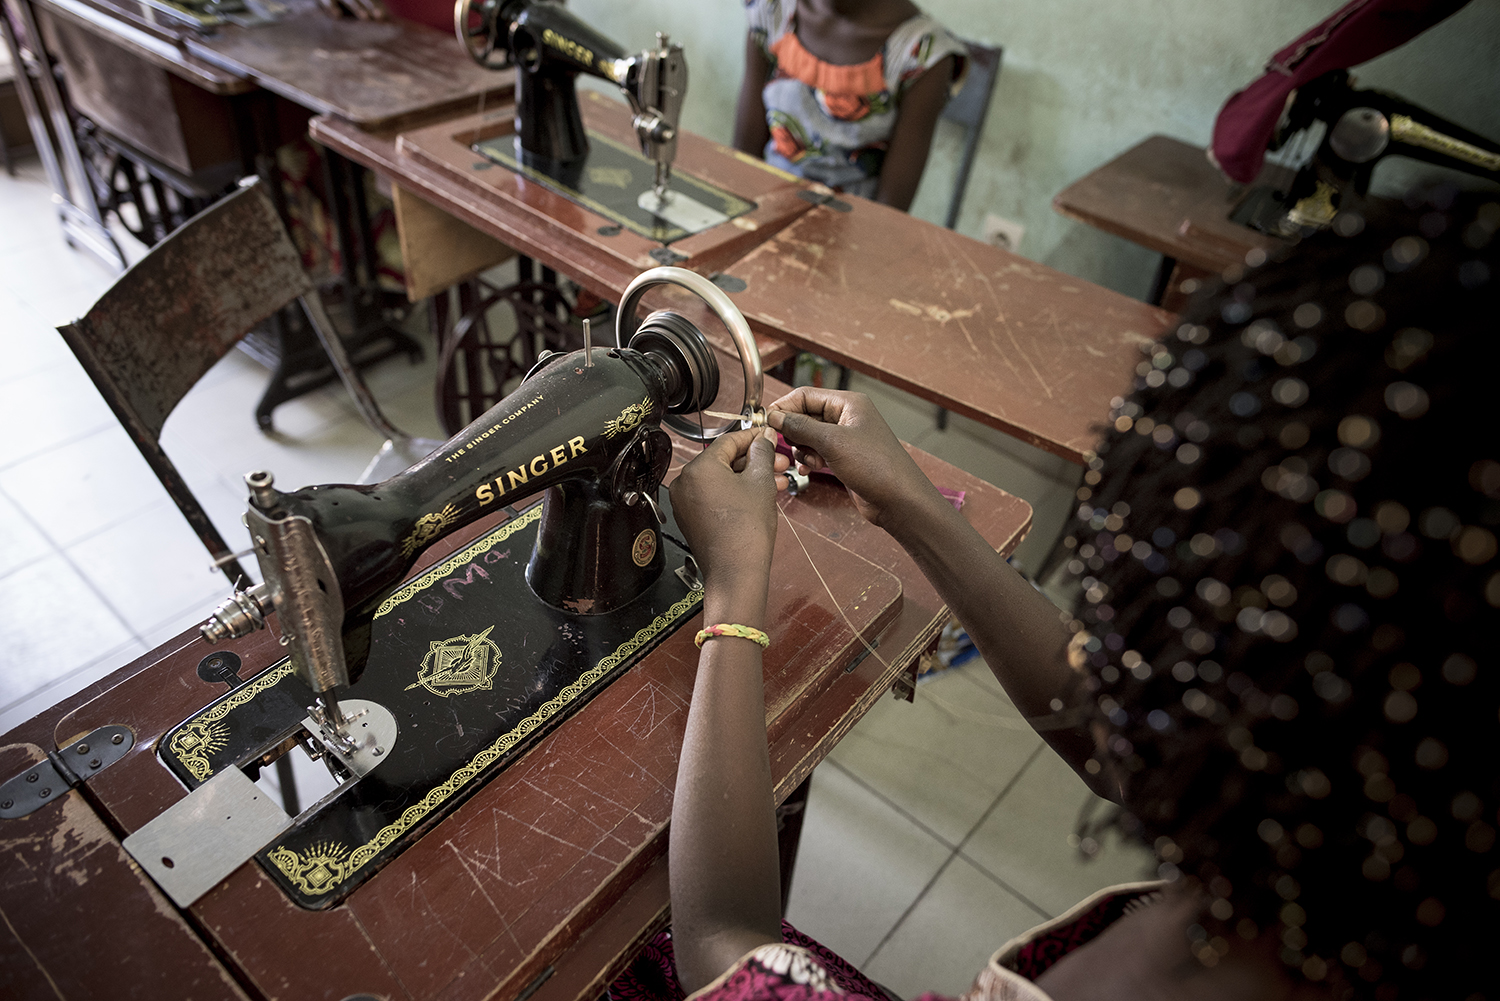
(474, 367)
(301, 364)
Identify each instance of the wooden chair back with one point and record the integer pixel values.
(969, 108)
(172, 316)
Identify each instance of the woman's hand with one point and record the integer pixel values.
(845, 434)
(725, 502)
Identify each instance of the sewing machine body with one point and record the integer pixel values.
(549, 47)
(1362, 127)
(587, 426)
(508, 636)
(472, 667)
(461, 669)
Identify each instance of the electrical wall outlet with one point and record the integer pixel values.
(1003, 233)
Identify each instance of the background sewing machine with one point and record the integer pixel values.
(455, 675)
(1360, 128)
(549, 48)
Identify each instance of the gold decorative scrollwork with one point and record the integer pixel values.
(414, 587)
(321, 868)
(459, 665)
(1315, 211)
(630, 418)
(200, 737)
(1406, 129)
(317, 870)
(428, 528)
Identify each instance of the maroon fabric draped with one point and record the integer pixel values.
(433, 13)
(1357, 32)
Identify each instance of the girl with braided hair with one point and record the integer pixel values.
(1280, 665)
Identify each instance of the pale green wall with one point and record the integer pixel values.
(1083, 80)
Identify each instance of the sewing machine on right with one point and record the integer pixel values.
(1359, 128)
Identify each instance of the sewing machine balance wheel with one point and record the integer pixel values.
(657, 332)
(477, 25)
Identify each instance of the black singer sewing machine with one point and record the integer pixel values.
(461, 668)
(1362, 127)
(549, 47)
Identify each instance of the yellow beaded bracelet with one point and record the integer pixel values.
(730, 629)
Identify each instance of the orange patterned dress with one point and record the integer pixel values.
(833, 123)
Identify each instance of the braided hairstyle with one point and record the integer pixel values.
(1289, 583)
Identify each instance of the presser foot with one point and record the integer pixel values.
(333, 726)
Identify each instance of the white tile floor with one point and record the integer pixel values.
(934, 832)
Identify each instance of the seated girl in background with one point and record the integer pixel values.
(1280, 667)
(846, 92)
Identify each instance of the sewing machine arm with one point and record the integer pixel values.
(583, 428)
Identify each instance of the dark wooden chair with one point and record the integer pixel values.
(968, 109)
(185, 305)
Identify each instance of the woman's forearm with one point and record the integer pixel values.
(751, 133)
(725, 884)
(1021, 635)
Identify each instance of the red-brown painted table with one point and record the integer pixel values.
(973, 328)
(549, 876)
(1165, 195)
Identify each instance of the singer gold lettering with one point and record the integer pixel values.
(485, 493)
(568, 47)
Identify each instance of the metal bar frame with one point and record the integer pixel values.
(78, 213)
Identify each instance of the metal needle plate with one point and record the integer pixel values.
(200, 840)
(680, 210)
(372, 728)
(221, 825)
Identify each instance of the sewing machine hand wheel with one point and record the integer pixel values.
(475, 23)
(702, 368)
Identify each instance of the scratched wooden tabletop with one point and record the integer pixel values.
(373, 73)
(549, 876)
(1165, 195)
(980, 331)
(976, 329)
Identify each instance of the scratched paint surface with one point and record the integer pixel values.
(583, 811)
(981, 331)
(59, 940)
(473, 666)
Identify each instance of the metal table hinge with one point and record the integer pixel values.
(666, 255)
(66, 769)
(825, 198)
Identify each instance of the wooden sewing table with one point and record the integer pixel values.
(973, 328)
(196, 106)
(1165, 195)
(543, 885)
(545, 882)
